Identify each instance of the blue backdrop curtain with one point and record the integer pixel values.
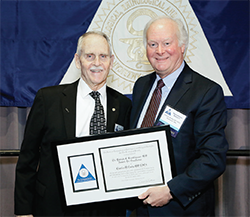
(38, 41)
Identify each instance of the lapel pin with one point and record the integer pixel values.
(113, 109)
(67, 110)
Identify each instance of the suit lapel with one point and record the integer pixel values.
(69, 108)
(180, 87)
(112, 110)
(138, 103)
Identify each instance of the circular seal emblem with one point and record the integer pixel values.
(123, 21)
(84, 173)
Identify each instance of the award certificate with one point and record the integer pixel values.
(116, 165)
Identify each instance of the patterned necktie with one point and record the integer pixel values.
(149, 117)
(97, 122)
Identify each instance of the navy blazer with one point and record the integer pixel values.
(200, 146)
(53, 118)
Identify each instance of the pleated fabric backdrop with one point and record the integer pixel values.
(232, 188)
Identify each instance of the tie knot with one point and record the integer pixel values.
(160, 84)
(95, 94)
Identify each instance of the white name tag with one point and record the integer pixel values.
(118, 127)
(173, 118)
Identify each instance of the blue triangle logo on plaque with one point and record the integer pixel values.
(84, 175)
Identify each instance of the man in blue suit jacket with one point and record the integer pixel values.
(199, 144)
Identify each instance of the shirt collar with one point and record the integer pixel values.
(170, 79)
(84, 89)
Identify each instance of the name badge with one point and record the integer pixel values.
(118, 127)
(173, 118)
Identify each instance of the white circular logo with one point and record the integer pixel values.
(84, 173)
(123, 21)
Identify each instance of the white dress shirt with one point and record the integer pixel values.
(169, 83)
(85, 106)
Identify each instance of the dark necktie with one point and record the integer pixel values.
(149, 117)
(97, 122)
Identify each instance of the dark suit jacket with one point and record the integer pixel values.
(200, 146)
(53, 118)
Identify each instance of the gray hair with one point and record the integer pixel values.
(80, 41)
(182, 34)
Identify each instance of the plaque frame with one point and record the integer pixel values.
(88, 167)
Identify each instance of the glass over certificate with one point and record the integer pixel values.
(114, 165)
(132, 166)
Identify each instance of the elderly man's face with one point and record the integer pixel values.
(163, 51)
(95, 61)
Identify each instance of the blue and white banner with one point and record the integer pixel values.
(38, 42)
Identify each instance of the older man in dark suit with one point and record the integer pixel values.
(198, 141)
(66, 112)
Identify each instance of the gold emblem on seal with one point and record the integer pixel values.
(123, 21)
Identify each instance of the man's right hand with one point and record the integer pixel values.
(156, 196)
